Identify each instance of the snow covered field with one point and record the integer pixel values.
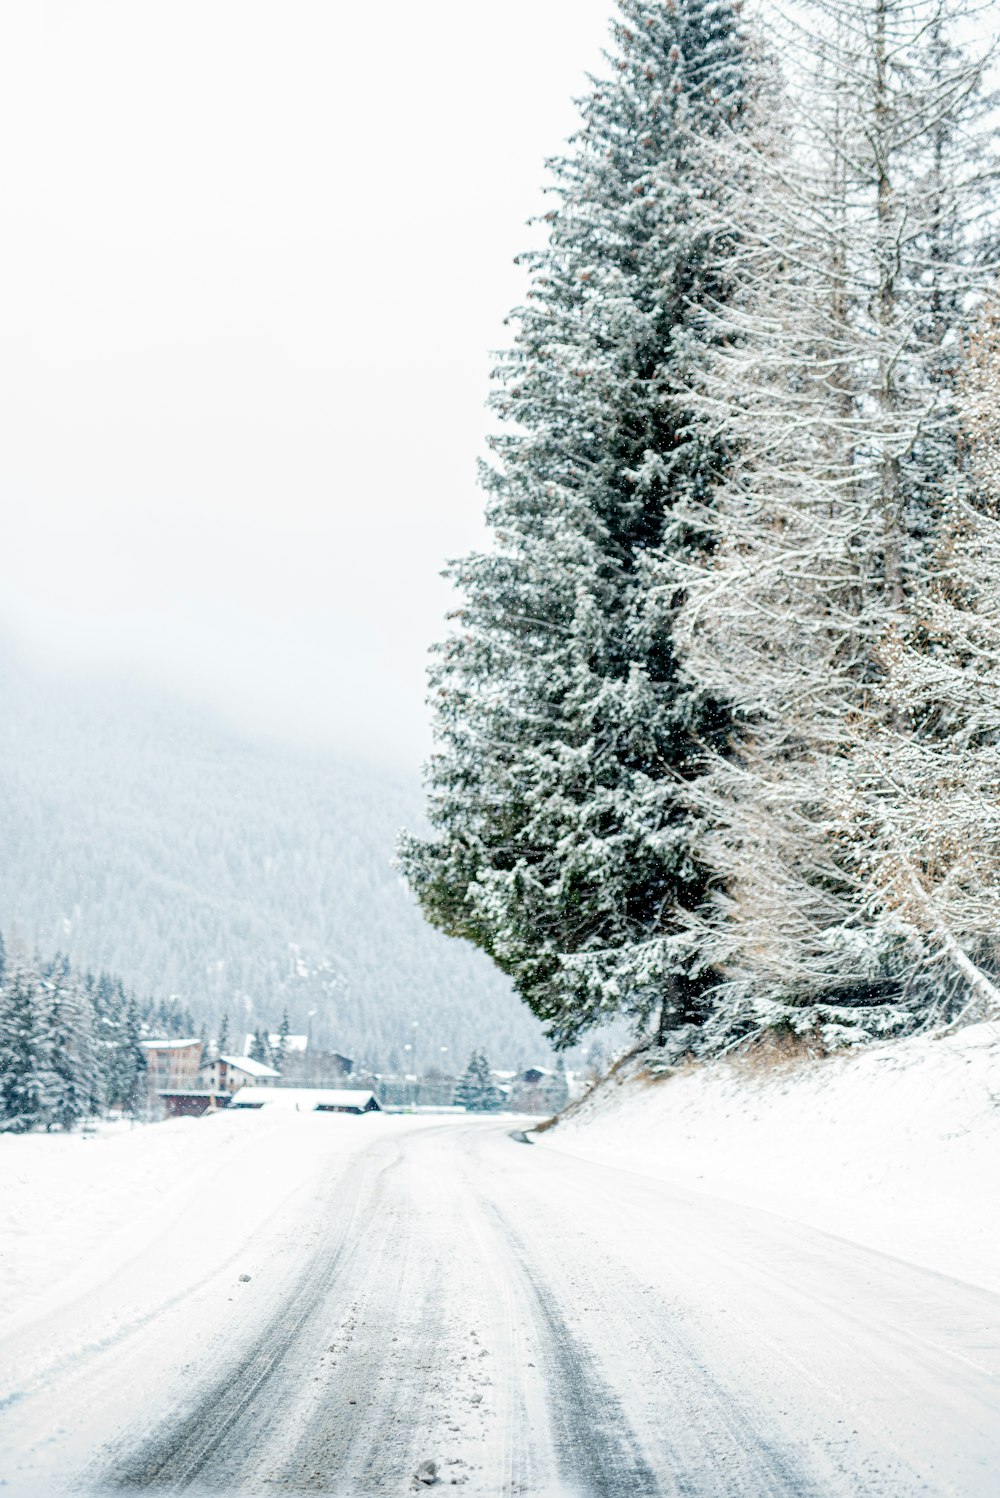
(77, 1209)
(896, 1146)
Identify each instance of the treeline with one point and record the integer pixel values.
(717, 726)
(69, 1046)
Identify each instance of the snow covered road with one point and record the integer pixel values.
(428, 1291)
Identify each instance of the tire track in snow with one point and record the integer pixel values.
(597, 1451)
(361, 1432)
(177, 1457)
(540, 1326)
(701, 1442)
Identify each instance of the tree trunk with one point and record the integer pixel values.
(678, 1006)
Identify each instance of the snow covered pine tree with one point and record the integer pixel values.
(475, 1090)
(69, 1046)
(120, 1074)
(562, 729)
(30, 1088)
(67, 1018)
(856, 194)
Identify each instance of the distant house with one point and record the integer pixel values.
(172, 1068)
(230, 1073)
(314, 1068)
(192, 1104)
(306, 1099)
(293, 1043)
(539, 1089)
(187, 1087)
(171, 1064)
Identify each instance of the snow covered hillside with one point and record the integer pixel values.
(895, 1146)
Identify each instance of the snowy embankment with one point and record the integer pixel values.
(895, 1147)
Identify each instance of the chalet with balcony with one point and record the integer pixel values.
(227, 1074)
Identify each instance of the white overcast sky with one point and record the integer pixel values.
(254, 258)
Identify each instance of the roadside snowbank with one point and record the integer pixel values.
(896, 1146)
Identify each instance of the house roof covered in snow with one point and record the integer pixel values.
(292, 1042)
(168, 1045)
(304, 1099)
(251, 1067)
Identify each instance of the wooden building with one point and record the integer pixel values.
(307, 1099)
(171, 1065)
(181, 1104)
(229, 1073)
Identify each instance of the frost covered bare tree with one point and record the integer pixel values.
(858, 200)
(562, 728)
(925, 819)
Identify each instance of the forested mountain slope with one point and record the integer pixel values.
(151, 841)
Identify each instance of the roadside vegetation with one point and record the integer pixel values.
(717, 720)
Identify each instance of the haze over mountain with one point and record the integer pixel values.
(150, 840)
